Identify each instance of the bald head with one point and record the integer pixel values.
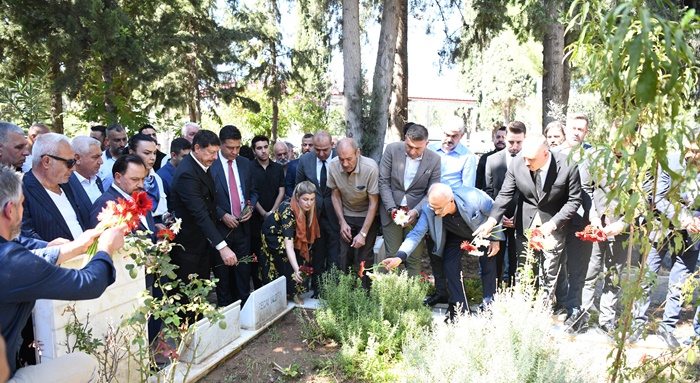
(281, 152)
(535, 151)
(348, 154)
(441, 199)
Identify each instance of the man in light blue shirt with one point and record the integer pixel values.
(458, 162)
(458, 169)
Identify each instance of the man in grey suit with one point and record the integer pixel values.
(406, 172)
(495, 173)
(550, 194)
(313, 166)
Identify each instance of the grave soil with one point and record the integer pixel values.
(281, 354)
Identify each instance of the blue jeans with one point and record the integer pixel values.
(683, 265)
(487, 272)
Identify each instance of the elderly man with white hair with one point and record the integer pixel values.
(458, 169)
(88, 159)
(51, 207)
(188, 132)
(550, 194)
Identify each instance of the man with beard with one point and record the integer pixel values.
(281, 152)
(27, 278)
(307, 145)
(13, 145)
(555, 133)
(499, 143)
(116, 142)
(88, 159)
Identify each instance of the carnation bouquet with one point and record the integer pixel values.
(592, 234)
(540, 242)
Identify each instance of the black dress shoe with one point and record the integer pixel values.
(670, 340)
(435, 299)
(314, 295)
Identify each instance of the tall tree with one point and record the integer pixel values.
(398, 106)
(352, 68)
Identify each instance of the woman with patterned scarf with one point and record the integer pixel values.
(291, 230)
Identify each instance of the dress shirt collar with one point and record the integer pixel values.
(205, 168)
(82, 179)
(120, 191)
(414, 159)
(459, 149)
(545, 168)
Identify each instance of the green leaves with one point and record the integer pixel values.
(647, 84)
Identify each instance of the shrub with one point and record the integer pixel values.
(510, 343)
(373, 326)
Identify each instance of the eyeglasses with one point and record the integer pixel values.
(69, 163)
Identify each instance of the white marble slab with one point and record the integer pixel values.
(264, 304)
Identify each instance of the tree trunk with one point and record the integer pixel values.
(56, 100)
(556, 80)
(352, 68)
(398, 106)
(373, 137)
(276, 93)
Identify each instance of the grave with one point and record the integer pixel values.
(264, 304)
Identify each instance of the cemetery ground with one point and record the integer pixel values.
(290, 350)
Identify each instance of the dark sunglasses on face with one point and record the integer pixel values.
(69, 163)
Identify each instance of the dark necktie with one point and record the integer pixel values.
(324, 177)
(538, 183)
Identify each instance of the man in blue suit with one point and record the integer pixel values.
(307, 145)
(84, 180)
(233, 178)
(27, 278)
(313, 166)
(51, 207)
(451, 216)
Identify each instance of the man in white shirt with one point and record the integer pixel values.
(51, 208)
(88, 159)
(116, 142)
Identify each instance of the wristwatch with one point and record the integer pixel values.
(362, 233)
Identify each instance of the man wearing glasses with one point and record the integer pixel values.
(51, 208)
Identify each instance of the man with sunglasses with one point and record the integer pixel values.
(51, 206)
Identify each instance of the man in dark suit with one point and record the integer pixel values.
(499, 143)
(313, 166)
(307, 145)
(233, 178)
(406, 172)
(13, 146)
(193, 200)
(84, 180)
(495, 173)
(51, 207)
(550, 194)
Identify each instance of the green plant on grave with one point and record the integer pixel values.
(638, 56)
(179, 304)
(373, 325)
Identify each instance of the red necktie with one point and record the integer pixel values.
(233, 191)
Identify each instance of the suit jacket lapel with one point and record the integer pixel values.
(551, 177)
(99, 185)
(42, 196)
(241, 182)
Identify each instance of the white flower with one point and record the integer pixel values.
(481, 242)
(176, 225)
(548, 242)
(401, 217)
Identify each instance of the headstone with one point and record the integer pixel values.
(116, 303)
(208, 339)
(264, 304)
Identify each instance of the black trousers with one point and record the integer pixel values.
(234, 281)
(324, 254)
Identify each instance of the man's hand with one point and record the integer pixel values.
(246, 216)
(694, 227)
(614, 228)
(345, 232)
(159, 227)
(229, 221)
(112, 240)
(228, 256)
(391, 263)
(82, 243)
(358, 241)
(412, 218)
(58, 242)
(494, 246)
(547, 228)
(484, 231)
(509, 222)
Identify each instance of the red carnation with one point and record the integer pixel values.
(166, 234)
(536, 240)
(592, 234)
(466, 245)
(362, 269)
